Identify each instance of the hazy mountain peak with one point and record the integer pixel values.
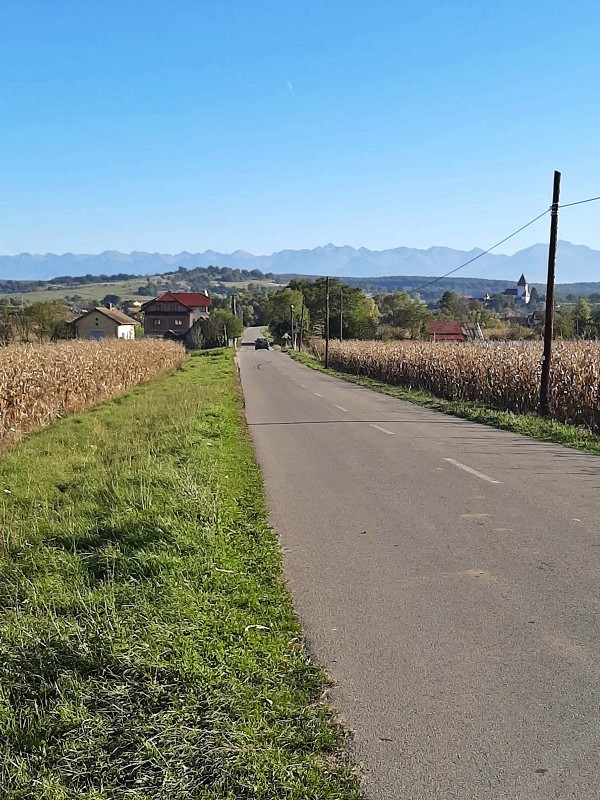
(575, 263)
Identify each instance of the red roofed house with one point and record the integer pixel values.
(175, 313)
(446, 331)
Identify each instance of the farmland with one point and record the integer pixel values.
(500, 376)
(42, 383)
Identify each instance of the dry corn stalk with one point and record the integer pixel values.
(499, 375)
(40, 383)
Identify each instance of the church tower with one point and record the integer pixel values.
(523, 293)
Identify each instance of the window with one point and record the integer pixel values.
(157, 322)
(178, 322)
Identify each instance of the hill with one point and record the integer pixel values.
(90, 290)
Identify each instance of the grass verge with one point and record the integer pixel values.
(148, 646)
(526, 424)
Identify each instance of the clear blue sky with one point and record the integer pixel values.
(267, 124)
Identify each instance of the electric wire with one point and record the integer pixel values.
(484, 253)
(578, 202)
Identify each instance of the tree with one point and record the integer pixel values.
(453, 306)
(43, 319)
(213, 329)
(360, 314)
(278, 311)
(595, 323)
(111, 299)
(564, 326)
(405, 313)
(581, 315)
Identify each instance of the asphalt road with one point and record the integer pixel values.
(447, 577)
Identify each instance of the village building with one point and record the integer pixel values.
(175, 314)
(100, 323)
(521, 292)
(443, 330)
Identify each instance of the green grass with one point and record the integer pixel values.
(148, 646)
(127, 290)
(526, 424)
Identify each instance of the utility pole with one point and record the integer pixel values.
(292, 325)
(549, 326)
(233, 306)
(326, 323)
(301, 327)
(341, 312)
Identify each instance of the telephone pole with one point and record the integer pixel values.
(292, 325)
(326, 323)
(341, 312)
(301, 327)
(549, 326)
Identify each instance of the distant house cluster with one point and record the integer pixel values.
(173, 315)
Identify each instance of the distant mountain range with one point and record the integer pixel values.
(575, 264)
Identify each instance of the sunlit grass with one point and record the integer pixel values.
(148, 647)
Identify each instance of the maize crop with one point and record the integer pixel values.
(42, 383)
(504, 376)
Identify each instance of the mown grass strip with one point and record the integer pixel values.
(526, 424)
(148, 646)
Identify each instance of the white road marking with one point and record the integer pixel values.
(341, 408)
(471, 471)
(317, 394)
(383, 430)
(303, 386)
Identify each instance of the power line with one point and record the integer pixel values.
(485, 252)
(579, 202)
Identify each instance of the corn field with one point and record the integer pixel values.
(42, 383)
(500, 375)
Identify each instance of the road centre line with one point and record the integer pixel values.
(303, 385)
(471, 471)
(341, 408)
(383, 430)
(317, 394)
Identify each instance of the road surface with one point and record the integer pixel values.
(447, 577)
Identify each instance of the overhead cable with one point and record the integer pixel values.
(485, 252)
(579, 202)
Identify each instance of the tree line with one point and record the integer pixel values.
(37, 322)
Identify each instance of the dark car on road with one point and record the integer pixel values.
(261, 344)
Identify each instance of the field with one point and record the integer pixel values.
(499, 376)
(148, 646)
(126, 290)
(42, 383)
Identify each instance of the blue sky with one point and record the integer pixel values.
(272, 124)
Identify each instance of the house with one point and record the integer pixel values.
(175, 313)
(446, 331)
(103, 322)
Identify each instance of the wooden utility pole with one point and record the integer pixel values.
(549, 326)
(326, 323)
(341, 312)
(292, 324)
(301, 327)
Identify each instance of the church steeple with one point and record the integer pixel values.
(523, 293)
